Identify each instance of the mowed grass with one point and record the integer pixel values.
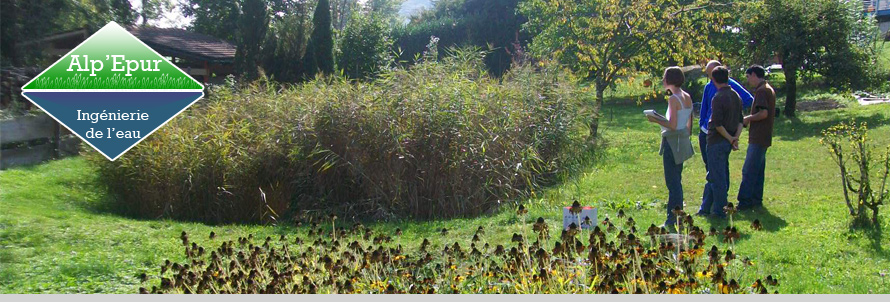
(56, 235)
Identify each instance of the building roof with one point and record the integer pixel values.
(186, 44)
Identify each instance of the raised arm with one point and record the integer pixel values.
(705, 109)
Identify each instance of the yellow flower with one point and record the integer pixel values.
(705, 274)
(676, 291)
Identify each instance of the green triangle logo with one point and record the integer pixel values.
(112, 58)
(113, 91)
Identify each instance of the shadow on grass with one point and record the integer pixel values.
(769, 221)
(875, 236)
(793, 129)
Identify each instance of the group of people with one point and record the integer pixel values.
(721, 122)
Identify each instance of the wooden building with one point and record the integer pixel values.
(205, 58)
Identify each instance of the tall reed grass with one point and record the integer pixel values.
(441, 139)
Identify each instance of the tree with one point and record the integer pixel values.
(253, 22)
(342, 12)
(320, 53)
(213, 17)
(829, 37)
(606, 39)
(122, 11)
(388, 10)
(152, 9)
(364, 47)
(492, 25)
(853, 152)
(22, 21)
(286, 41)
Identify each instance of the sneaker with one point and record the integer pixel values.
(702, 214)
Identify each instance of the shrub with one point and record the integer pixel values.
(441, 139)
(365, 47)
(855, 164)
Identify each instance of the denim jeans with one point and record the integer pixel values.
(751, 190)
(714, 196)
(703, 147)
(673, 178)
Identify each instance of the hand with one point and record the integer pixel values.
(652, 119)
(735, 144)
(746, 121)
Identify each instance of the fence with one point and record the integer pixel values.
(32, 139)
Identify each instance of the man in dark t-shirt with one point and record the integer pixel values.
(760, 137)
(724, 129)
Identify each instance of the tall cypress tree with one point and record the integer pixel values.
(320, 53)
(253, 22)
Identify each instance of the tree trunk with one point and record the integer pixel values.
(790, 90)
(142, 13)
(597, 107)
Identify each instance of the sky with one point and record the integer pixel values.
(175, 18)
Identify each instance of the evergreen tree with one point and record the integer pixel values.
(320, 53)
(252, 26)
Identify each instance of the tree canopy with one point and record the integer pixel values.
(828, 37)
(606, 39)
(23, 20)
(320, 53)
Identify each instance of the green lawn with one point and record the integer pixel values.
(56, 235)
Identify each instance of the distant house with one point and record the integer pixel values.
(205, 58)
(881, 10)
(878, 7)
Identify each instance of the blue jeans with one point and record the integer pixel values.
(751, 190)
(703, 147)
(714, 196)
(673, 178)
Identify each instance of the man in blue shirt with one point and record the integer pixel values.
(705, 114)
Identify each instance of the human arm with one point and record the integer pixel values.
(725, 134)
(672, 112)
(759, 116)
(760, 103)
(735, 139)
(673, 103)
(747, 98)
(705, 108)
(719, 114)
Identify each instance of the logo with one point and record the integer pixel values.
(113, 91)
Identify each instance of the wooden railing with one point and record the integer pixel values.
(32, 139)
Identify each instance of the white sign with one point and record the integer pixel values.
(586, 219)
